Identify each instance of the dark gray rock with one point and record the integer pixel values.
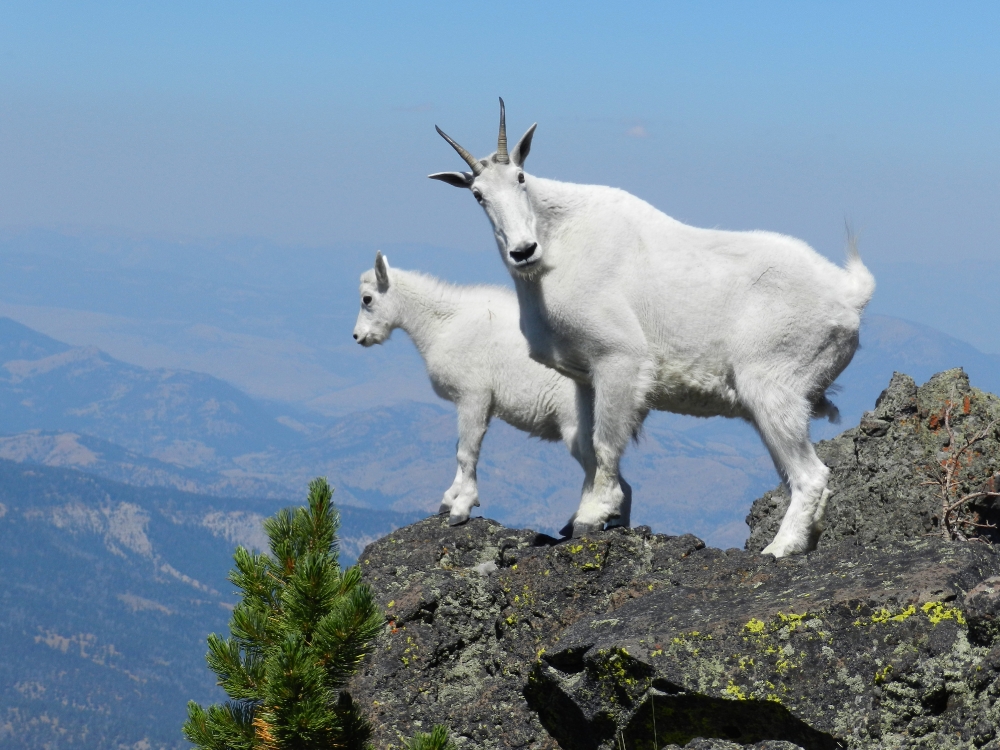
(844, 647)
(887, 636)
(585, 643)
(882, 471)
(470, 610)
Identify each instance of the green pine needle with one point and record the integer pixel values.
(301, 630)
(438, 739)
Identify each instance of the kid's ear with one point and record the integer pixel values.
(381, 271)
(457, 179)
(520, 152)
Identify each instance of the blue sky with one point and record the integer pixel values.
(313, 122)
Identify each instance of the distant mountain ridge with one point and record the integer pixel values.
(77, 407)
(17, 341)
(106, 459)
(186, 418)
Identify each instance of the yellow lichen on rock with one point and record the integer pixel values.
(938, 612)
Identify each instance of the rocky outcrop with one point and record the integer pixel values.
(638, 640)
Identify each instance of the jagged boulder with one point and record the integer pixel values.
(470, 610)
(628, 639)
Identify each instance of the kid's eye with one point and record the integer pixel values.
(367, 299)
(477, 195)
(520, 178)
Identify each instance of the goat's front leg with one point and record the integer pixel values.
(473, 419)
(578, 433)
(624, 517)
(620, 387)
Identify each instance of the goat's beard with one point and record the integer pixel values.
(528, 273)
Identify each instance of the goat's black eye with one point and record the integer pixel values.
(520, 177)
(367, 299)
(477, 195)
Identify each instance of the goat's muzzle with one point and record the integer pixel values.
(523, 252)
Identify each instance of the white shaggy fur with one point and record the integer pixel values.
(477, 358)
(650, 313)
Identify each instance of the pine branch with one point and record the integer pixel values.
(343, 638)
(239, 674)
(253, 626)
(251, 576)
(321, 521)
(280, 529)
(298, 705)
(437, 740)
(310, 591)
(225, 727)
(298, 634)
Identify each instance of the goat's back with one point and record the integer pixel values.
(480, 352)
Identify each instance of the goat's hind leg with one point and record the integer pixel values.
(782, 419)
(473, 419)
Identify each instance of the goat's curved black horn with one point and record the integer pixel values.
(472, 161)
(502, 156)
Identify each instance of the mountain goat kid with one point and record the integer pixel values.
(649, 313)
(477, 358)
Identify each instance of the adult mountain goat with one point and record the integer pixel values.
(649, 313)
(477, 358)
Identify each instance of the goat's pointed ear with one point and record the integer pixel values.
(381, 271)
(458, 179)
(520, 152)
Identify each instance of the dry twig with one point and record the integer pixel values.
(953, 521)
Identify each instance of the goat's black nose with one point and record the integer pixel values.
(355, 337)
(524, 253)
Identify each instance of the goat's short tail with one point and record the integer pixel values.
(860, 282)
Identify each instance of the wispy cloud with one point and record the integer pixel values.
(637, 131)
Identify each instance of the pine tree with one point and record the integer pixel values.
(299, 633)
